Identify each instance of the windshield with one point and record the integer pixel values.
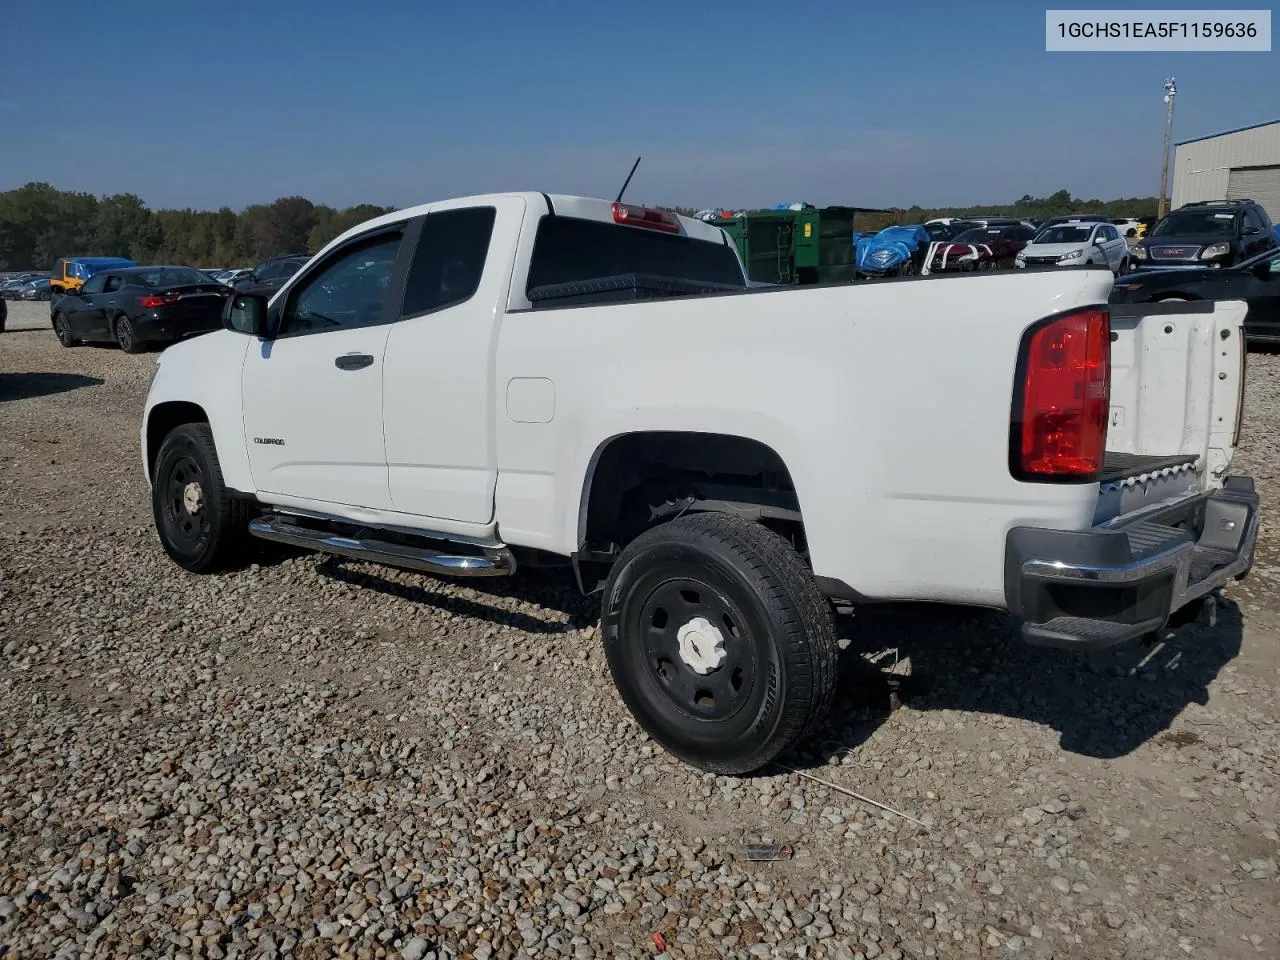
(937, 231)
(1064, 233)
(1196, 222)
(171, 276)
(979, 235)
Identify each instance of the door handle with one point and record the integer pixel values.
(353, 361)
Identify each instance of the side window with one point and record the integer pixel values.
(94, 284)
(112, 285)
(349, 290)
(266, 271)
(1251, 222)
(287, 268)
(449, 261)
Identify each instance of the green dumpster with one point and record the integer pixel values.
(824, 245)
(795, 246)
(764, 241)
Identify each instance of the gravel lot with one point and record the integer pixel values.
(315, 758)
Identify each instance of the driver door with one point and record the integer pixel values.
(313, 393)
(83, 311)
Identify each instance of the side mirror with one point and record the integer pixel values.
(247, 313)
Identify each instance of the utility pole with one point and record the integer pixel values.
(1170, 91)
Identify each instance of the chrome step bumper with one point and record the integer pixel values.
(1125, 579)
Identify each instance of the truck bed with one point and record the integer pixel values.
(1121, 466)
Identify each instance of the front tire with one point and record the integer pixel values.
(62, 329)
(126, 337)
(202, 526)
(719, 641)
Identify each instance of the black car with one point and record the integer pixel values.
(270, 275)
(1217, 233)
(135, 306)
(1256, 281)
(4, 315)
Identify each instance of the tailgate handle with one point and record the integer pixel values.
(353, 361)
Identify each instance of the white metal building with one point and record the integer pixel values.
(1229, 166)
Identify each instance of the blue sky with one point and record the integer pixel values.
(204, 104)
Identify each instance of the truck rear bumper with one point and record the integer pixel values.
(1094, 588)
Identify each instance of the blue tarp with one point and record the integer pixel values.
(890, 248)
(86, 267)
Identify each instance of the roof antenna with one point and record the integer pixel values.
(627, 182)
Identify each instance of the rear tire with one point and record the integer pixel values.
(719, 641)
(62, 329)
(202, 525)
(126, 337)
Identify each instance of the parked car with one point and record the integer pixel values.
(982, 248)
(1217, 233)
(647, 434)
(10, 285)
(70, 273)
(137, 306)
(271, 275)
(1130, 228)
(1072, 243)
(232, 277)
(34, 290)
(1256, 282)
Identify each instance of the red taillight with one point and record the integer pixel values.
(633, 216)
(153, 300)
(1060, 425)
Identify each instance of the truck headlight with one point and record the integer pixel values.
(1139, 252)
(1072, 255)
(1215, 250)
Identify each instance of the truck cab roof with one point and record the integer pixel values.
(566, 205)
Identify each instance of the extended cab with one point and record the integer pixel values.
(465, 387)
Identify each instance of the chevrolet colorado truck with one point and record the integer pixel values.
(466, 387)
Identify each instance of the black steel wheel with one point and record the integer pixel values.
(202, 525)
(126, 336)
(62, 329)
(719, 641)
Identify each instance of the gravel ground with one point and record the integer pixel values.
(315, 758)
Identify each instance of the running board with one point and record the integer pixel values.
(493, 560)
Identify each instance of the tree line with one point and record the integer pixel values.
(39, 224)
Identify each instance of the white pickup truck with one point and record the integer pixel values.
(464, 387)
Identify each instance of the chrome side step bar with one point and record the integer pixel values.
(494, 559)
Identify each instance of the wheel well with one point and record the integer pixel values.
(642, 479)
(164, 418)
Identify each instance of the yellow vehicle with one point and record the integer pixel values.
(70, 273)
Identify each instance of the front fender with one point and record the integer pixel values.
(206, 372)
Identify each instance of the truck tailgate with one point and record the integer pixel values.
(1177, 376)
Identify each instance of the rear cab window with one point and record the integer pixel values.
(571, 249)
